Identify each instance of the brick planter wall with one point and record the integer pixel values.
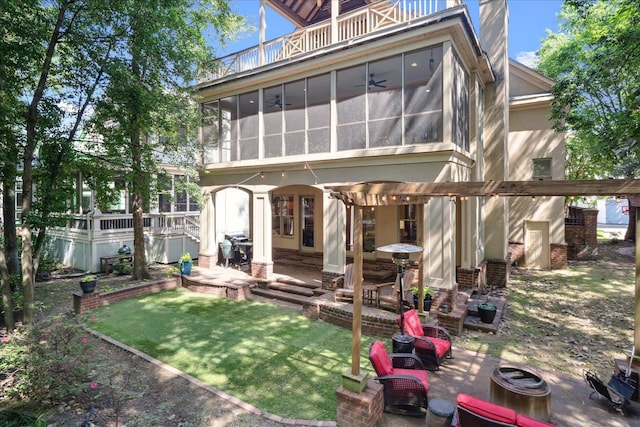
(83, 303)
(362, 409)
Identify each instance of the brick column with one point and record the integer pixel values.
(362, 409)
(591, 227)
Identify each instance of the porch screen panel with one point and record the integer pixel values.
(248, 107)
(210, 113)
(351, 96)
(319, 114)
(272, 115)
(229, 129)
(294, 95)
(423, 95)
(460, 103)
(384, 101)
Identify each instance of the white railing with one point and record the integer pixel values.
(351, 25)
(183, 222)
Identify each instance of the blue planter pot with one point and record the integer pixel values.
(185, 267)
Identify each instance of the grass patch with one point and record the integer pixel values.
(564, 320)
(271, 357)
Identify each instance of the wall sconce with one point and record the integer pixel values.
(261, 175)
(533, 198)
(618, 199)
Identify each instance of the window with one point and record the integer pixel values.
(542, 169)
(408, 224)
(308, 211)
(282, 216)
(368, 229)
(180, 193)
(351, 93)
(164, 193)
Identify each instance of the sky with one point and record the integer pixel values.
(529, 21)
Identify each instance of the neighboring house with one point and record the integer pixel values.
(171, 227)
(381, 92)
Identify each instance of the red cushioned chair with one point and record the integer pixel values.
(432, 343)
(404, 379)
(475, 412)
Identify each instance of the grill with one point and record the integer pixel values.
(241, 251)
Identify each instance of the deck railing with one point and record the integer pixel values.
(183, 222)
(350, 25)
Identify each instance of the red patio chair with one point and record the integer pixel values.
(432, 343)
(404, 379)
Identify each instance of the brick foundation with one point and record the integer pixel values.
(474, 279)
(559, 257)
(262, 270)
(498, 272)
(362, 409)
(206, 261)
(327, 280)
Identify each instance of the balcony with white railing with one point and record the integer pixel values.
(350, 26)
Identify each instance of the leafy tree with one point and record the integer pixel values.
(595, 60)
(148, 107)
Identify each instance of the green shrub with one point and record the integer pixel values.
(48, 361)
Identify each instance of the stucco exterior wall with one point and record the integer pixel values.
(531, 136)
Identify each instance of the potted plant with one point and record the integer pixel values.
(427, 295)
(88, 283)
(185, 263)
(487, 312)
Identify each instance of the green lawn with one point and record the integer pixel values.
(271, 357)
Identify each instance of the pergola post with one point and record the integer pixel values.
(355, 380)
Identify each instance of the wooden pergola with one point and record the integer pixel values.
(382, 194)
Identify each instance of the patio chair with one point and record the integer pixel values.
(472, 411)
(388, 294)
(432, 343)
(614, 399)
(404, 380)
(343, 285)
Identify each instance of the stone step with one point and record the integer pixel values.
(291, 288)
(279, 295)
(296, 282)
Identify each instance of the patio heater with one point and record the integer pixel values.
(400, 253)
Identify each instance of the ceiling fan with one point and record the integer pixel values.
(277, 102)
(373, 83)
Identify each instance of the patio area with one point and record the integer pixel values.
(470, 372)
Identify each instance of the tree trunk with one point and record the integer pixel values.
(139, 179)
(9, 217)
(6, 293)
(631, 227)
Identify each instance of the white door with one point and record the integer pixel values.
(537, 253)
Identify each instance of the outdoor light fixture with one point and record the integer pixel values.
(400, 253)
(618, 199)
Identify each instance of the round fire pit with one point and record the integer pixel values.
(522, 390)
